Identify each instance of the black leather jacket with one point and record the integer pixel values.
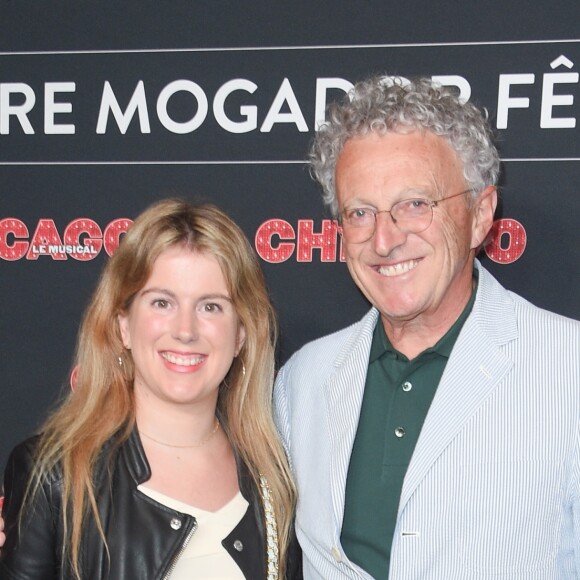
(144, 537)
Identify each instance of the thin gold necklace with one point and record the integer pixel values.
(199, 443)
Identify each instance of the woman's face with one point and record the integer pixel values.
(182, 330)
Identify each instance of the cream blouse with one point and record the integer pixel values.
(205, 557)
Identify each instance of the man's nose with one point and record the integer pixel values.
(387, 234)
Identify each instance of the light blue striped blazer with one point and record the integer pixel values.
(492, 490)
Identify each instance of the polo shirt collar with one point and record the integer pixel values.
(381, 344)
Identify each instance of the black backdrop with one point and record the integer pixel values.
(227, 96)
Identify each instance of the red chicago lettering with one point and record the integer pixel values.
(15, 229)
(325, 241)
(72, 236)
(82, 239)
(46, 240)
(508, 241)
(264, 245)
(113, 234)
(271, 249)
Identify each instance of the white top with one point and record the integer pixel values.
(205, 557)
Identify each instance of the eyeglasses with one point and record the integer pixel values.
(411, 216)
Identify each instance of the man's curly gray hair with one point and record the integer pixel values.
(382, 105)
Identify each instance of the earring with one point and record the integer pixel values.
(120, 360)
(243, 369)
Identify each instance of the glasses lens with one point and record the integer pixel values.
(358, 225)
(410, 216)
(413, 215)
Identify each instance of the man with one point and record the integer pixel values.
(437, 438)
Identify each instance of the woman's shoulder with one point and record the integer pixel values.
(24, 453)
(23, 459)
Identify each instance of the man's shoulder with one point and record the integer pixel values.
(527, 308)
(334, 343)
(552, 332)
(339, 338)
(498, 302)
(510, 321)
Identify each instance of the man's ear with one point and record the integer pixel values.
(483, 212)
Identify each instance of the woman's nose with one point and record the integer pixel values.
(185, 327)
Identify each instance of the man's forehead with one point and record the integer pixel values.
(414, 154)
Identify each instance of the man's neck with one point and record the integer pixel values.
(412, 337)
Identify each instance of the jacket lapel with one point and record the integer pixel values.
(475, 368)
(344, 393)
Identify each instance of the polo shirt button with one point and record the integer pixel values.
(407, 386)
(399, 432)
(336, 554)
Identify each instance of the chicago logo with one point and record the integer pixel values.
(82, 239)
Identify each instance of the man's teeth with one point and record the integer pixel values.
(398, 269)
(182, 360)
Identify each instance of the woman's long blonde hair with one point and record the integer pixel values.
(101, 405)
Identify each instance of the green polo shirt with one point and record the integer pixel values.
(397, 396)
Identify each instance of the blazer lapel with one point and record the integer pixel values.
(475, 368)
(344, 394)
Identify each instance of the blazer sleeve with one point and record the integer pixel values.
(576, 502)
(31, 529)
(280, 408)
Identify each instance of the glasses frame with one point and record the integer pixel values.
(430, 202)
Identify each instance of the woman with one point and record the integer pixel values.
(163, 462)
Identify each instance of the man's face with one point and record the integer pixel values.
(423, 278)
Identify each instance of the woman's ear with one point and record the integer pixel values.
(241, 339)
(123, 320)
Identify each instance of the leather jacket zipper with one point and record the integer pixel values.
(182, 549)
